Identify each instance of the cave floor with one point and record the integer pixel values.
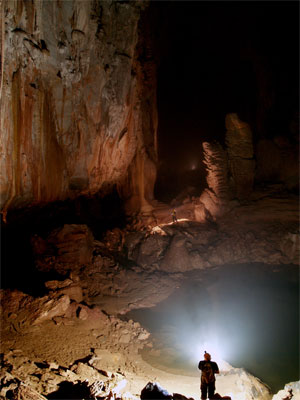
(265, 230)
(62, 346)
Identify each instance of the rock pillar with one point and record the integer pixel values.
(215, 198)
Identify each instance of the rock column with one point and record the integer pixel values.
(215, 199)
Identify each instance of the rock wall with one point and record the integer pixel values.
(77, 113)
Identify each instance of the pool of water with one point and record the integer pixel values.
(247, 315)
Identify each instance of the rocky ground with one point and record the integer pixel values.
(73, 337)
(56, 347)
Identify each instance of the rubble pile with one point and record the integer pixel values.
(41, 325)
(23, 379)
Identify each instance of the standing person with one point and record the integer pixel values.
(209, 369)
(174, 216)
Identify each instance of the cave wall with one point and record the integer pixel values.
(78, 105)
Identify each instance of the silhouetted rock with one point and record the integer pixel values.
(177, 396)
(218, 396)
(154, 391)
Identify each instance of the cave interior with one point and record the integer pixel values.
(93, 289)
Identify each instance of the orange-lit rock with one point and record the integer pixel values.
(78, 102)
(215, 198)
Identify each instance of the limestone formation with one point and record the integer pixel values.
(240, 155)
(78, 107)
(215, 199)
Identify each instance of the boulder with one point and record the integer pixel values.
(86, 372)
(46, 308)
(73, 244)
(177, 258)
(24, 310)
(155, 391)
(177, 396)
(290, 391)
(152, 249)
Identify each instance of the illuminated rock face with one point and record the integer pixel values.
(291, 391)
(215, 199)
(78, 102)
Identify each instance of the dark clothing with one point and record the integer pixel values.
(207, 387)
(209, 369)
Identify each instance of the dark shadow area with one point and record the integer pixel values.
(68, 390)
(188, 182)
(17, 264)
(216, 58)
(250, 311)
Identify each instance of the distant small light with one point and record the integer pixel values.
(193, 165)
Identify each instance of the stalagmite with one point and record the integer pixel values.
(215, 198)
